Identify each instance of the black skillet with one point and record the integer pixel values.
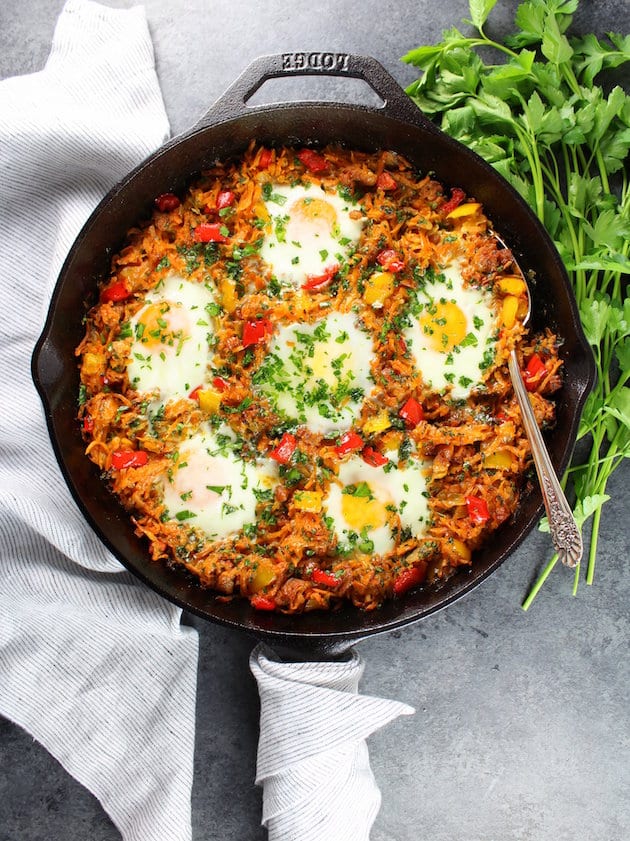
(225, 131)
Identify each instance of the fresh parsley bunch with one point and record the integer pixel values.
(562, 141)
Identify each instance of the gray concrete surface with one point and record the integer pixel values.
(522, 722)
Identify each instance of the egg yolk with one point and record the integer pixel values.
(316, 213)
(444, 326)
(362, 513)
(162, 323)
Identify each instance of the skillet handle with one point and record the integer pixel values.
(233, 103)
(313, 761)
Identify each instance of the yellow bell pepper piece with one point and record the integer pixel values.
(209, 400)
(227, 288)
(92, 363)
(499, 460)
(303, 304)
(379, 423)
(263, 576)
(262, 213)
(466, 209)
(378, 287)
(509, 308)
(462, 550)
(310, 501)
(511, 285)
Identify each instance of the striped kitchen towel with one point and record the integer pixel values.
(313, 760)
(92, 664)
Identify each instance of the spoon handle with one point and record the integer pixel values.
(565, 533)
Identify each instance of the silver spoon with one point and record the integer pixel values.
(565, 533)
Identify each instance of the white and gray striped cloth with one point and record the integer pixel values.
(92, 664)
(313, 761)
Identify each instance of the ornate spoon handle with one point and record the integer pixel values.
(565, 534)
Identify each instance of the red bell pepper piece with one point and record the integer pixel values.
(285, 448)
(209, 232)
(313, 161)
(534, 372)
(348, 443)
(88, 423)
(477, 510)
(412, 413)
(256, 331)
(408, 578)
(225, 199)
(219, 383)
(264, 159)
(373, 457)
(128, 458)
(262, 603)
(118, 291)
(319, 576)
(457, 197)
(166, 202)
(390, 261)
(385, 182)
(314, 282)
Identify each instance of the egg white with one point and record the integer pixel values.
(169, 352)
(310, 231)
(318, 374)
(388, 500)
(210, 487)
(454, 347)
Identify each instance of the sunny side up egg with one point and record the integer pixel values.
(169, 352)
(318, 374)
(309, 235)
(453, 335)
(214, 489)
(367, 504)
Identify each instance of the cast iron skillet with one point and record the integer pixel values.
(225, 131)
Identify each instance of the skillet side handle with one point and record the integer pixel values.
(233, 103)
(46, 369)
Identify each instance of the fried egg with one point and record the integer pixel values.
(309, 232)
(168, 354)
(318, 374)
(370, 504)
(453, 334)
(212, 488)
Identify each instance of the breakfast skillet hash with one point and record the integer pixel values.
(295, 379)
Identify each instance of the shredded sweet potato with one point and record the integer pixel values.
(472, 451)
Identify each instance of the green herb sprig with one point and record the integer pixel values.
(562, 141)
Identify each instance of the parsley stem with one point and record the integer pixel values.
(592, 555)
(539, 582)
(529, 147)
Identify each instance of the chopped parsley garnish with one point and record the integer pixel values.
(269, 195)
(362, 490)
(217, 489)
(184, 515)
(469, 340)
